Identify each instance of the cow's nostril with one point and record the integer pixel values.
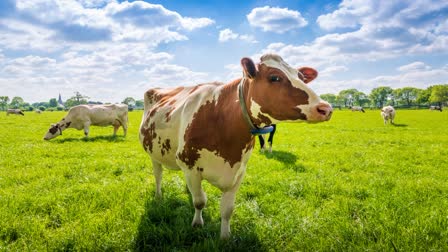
(321, 111)
(324, 109)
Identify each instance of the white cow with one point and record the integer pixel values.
(14, 112)
(388, 113)
(82, 116)
(357, 108)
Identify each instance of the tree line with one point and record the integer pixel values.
(378, 97)
(382, 96)
(17, 102)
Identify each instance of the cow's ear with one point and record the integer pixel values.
(249, 68)
(307, 74)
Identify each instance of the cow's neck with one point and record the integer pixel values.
(254, 129)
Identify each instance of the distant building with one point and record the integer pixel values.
(60, 101)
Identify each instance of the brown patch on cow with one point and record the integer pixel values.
(53, 129)
(281, 104)
(68, 124)
(166, 147)
(149, 134)
(215, 126)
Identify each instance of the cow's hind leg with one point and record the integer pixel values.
(116, 126)
(198, 195)
(158, 171)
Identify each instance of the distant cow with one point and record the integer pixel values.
(14, 112)
(388, 113)
(270, 139)
(435, 108)
(82, 116)
(38, 111)
(357, 108)
(207, 130)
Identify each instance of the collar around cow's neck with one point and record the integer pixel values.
(254, 130)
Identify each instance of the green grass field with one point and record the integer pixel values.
(351, 184)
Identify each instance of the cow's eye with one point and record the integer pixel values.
(274, 78)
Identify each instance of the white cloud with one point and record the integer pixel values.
(415, 66)
(275, 19)
(227, 34)
(143, 14)
(165, 75)
(331, 70)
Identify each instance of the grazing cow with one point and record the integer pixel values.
(270, 139)
(439, 108)
(207, 130)
(38, 111)
(14, 112)
(388, 113)
(82, 116)
(357, 108)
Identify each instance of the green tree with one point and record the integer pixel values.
(16, 102)
(330, 98)
(439, 94)
(361, 99)
(423, 96)
(4, 102)
(380, 95)
(75, 100)
(129, 101)
(53, 103)
(139, 104)
(347, 96)
(407, 95)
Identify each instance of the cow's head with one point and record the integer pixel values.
(278, 92)
(56, 129)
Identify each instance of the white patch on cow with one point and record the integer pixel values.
(255, 110)
(216, 170)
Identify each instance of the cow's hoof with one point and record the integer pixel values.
(198, 223)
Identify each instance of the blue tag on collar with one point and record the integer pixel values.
(265, 130)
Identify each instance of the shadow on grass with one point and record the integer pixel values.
(399, 125)
(90, 139)
(282, 156)
(166, 226)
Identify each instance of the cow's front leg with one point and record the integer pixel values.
(86, 129)
(199, 197)
(227, 206)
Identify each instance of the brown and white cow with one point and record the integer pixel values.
(82, 116)
(202, 129)
(388, 113)
(14, 112)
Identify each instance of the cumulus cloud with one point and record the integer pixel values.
(227, 34)
(276, 19)
(415, 66)
(173, 75)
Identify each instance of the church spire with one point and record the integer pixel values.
(60, 100)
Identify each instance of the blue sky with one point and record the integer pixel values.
(109, 50)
